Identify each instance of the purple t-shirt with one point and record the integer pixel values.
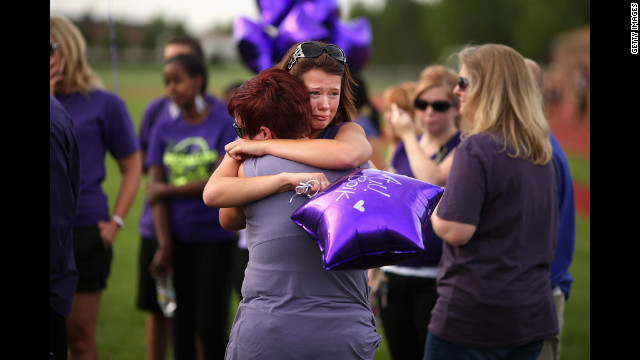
(157, 112)
(494, 291)
(188, 153)
(102, 123)
(64, 186)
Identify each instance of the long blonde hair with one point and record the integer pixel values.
(78, 75)
(504, 99)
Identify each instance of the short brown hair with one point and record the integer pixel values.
(275, 99)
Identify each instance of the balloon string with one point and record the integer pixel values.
(114, 53)
(304, 187)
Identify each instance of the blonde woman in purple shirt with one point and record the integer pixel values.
(102, 124)
(498, 217)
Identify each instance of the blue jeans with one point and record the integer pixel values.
(439, 349)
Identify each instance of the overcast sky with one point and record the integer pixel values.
(197, 15)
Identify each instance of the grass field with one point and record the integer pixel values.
(121, 327)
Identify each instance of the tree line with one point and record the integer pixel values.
(410, 32)
(528, 26)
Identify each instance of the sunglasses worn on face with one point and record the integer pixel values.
(462, 82)
(239, 129)
(52, 48)
(311, 50)
(439, 106)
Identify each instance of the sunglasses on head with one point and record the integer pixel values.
(312, 49)
(439, 106)
(52, 48)
(239, 129)
(462, 82)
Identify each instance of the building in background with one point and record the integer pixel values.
(568, 90)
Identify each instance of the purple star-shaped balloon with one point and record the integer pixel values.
(369, 218)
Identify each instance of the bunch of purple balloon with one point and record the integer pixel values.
(284, 23)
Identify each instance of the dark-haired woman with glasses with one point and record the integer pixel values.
(292, 308)
(407, 291)
(333, 142)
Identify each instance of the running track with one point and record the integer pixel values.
(574, 135)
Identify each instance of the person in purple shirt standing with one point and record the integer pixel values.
(64, 187)
(498, 217)
(561, 279)
(192, 245)
(157, 111)
(102, 124)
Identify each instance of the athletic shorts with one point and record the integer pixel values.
(146, 298)
(93, 260)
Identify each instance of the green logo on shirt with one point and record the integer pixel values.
(189, 160)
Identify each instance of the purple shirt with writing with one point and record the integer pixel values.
(157, 111)
(188, 153)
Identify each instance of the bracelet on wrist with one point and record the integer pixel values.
(118, 220)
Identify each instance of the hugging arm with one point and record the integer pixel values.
(233, 218)
(349, 149)
(226, 189)
(229, 192)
